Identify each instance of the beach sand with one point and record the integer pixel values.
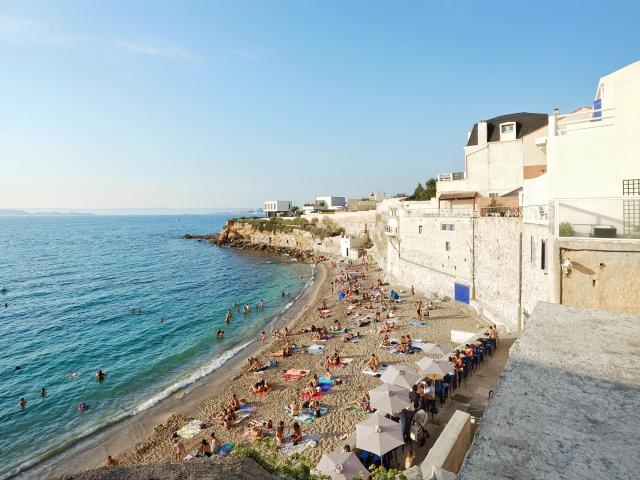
(205, 401)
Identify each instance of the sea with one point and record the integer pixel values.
(126, 295)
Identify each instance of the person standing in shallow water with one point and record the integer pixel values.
(228, 316)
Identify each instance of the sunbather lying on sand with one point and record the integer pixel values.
(348, 337)
(386, 341)
(386, 328)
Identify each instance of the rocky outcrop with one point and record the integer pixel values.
(294, 243)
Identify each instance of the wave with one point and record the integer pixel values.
(193, 377)
(199, 373)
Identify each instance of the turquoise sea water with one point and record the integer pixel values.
(71, 284)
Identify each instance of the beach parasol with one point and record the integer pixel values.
(342, 466)
(435, 369)
(389, 398)
(378, 435)
(401, 376)
(435, 349)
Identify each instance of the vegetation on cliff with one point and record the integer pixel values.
(424, 193)
(325, 228)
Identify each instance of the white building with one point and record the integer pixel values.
(499, 155)
(330, 203)
(277, 208)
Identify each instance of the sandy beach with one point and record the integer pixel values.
(204, 402)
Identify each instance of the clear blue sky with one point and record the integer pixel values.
(222, 104)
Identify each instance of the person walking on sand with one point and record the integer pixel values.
(413, 291)
(179, 452)
(263, 337)
(228, 316)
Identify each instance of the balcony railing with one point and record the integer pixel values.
(598, 218)
(391, 230)
(449, 177)
(600, 117)
(501, 212)
(537, 214)
(434, 212)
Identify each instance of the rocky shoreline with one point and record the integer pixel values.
(231, 236)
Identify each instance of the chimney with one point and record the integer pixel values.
(482, 132)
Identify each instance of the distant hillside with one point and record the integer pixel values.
(7, 212)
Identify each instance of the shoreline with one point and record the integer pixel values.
(90, 451)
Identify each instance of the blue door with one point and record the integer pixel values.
(461, 292)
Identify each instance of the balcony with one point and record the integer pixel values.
(560, 125)
(598, 218)
(509, 211)
(449, 177)
(391, 231)
(536, 214)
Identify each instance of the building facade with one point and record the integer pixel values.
(277, 208)
(330, 203)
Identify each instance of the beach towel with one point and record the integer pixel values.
(340, 330)
(316, 396)
(346, 361)
(224, 450)
(294, 374)
(368, 371)
(316, 349)
(190, 430)
(271, 364)
(288, 448)
(307, 415)
(341, 296)
(244, 411)
(418, 324)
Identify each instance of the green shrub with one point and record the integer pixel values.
(566, 229)
(265, 453)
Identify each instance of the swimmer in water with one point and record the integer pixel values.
(228, 316)
(43, 392)
(161, 320)
(247, 308)
(22, 403)
(100, 375)
(219, 333)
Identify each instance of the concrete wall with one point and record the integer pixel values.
(604, 275)
(497, 269)
(538, 284)
(354, 223)
(609, 148)
(452, 445)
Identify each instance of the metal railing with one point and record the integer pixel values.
(501, 212)
(434, 213)
(537, 214)
(600, 117)
(391, 230)
(448, 177)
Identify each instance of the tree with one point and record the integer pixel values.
(421, 193)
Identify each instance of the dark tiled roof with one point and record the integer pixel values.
(457, 195)
(525, 124)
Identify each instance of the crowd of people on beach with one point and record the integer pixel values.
(366, 304)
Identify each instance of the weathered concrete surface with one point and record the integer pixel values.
(449, 450)
(567, 404)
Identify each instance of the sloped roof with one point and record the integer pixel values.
(525, 124)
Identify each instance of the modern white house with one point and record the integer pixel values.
(330, 203)
(277, 208)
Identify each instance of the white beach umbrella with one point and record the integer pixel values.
(389, 398)
(400, 375)
(435, 349)
(341, 466)
(433, 368)
(378, 434)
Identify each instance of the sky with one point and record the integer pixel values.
(210, 104)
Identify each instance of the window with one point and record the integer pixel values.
(420, 229)
(543, 255)
(493, 194)
(447, 246)
(449, 227)
(508, 131)
(533, 251)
